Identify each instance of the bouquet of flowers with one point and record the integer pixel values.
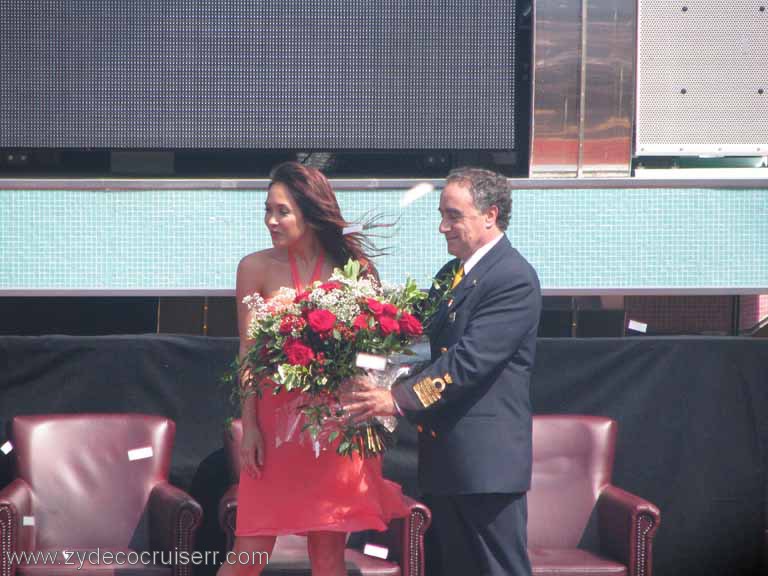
(317, 341)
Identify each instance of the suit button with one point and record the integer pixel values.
(433, 433)
(443, 350)
(420, 428)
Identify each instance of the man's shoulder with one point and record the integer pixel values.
(513, 266)
(511, 274)
(522, 264)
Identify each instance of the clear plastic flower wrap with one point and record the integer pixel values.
(373, 436)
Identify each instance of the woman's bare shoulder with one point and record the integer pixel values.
(252, 260)
(258, 261)
(258, 267)
(252, 268)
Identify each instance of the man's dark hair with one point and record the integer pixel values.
(487, 189)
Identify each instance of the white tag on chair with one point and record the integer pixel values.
(6, 448)
(28, 521)
(637, 326)
(370, 361)
(376, 551)
(140, 453)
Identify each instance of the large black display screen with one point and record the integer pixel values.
(249, 74)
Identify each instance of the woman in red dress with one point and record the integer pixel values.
(287, 489)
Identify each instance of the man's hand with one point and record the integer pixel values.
(367, 401)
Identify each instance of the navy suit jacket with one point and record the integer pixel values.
(472, 403)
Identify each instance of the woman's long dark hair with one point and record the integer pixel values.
(317, 202)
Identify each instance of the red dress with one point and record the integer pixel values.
(299, 492)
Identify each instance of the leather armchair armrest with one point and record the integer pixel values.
(15, 503)
(228, 514)
(405, 538)
(173, 520)
(627, 525)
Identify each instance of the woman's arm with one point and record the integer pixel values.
(252, 446)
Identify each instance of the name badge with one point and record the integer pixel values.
(452, 317)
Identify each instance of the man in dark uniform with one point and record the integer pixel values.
(472, 403)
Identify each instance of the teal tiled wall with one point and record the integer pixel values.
(191, 240)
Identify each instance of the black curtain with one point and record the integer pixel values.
(692, 413)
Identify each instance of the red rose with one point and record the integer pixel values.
(298, 353)
(389, 325)
(390, 309)
(301, 296)
(328, 286)
(321, 320)
(361, 322)
(374, 306)
(410, 325)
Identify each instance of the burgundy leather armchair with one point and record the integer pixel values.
(572, 466)
(404, 539)
(88, 482)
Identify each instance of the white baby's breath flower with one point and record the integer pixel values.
(262, 312)
(341, 302)
(392, 289)
(366, 287)
(283, 301)
(253, 301)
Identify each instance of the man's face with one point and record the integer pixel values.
(465, 228)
